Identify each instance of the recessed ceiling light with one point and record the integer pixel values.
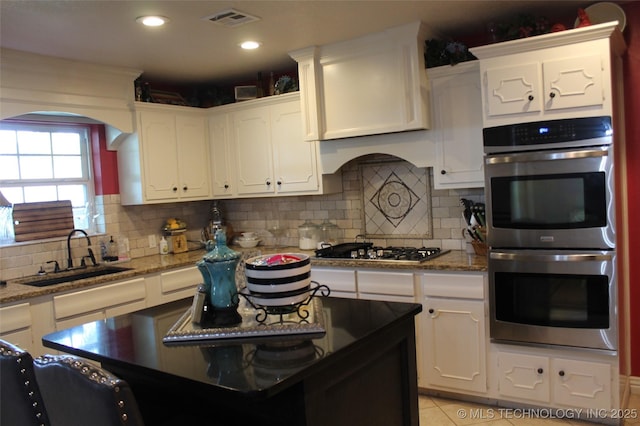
(152, 20)
(250, 45)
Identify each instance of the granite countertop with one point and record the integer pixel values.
(454, 260)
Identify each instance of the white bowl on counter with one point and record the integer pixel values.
(247, 242)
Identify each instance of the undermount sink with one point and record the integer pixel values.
(74, 275)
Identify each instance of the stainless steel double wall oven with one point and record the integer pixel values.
(551, 232)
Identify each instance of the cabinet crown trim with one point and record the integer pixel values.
(561, 38)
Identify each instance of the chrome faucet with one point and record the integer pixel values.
(69, 259)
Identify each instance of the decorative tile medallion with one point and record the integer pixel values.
(397, 200)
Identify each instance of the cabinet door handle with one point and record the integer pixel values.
(175, 189)
(184, 188)
(540, 371)
(552, 95)
(226, 186)
(268, 183)
(530, 98)
(279, 182)
(561, 373)
(443, 172)
(431, 311)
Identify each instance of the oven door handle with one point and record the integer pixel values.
(547, 156)
(532, 257)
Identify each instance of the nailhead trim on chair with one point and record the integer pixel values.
(27, 381)
(94, 374)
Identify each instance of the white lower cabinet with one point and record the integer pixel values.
(172, 285)
(341, 281)
(375, 284)
(99, 303)
(548, 379)
(581, 383)
(24, 323)
(454, 335)
(392, 286)
(15, 325)
(524, 376)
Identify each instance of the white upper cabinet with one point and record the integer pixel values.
(550, 77)
(257, 149)
(251, 138)
(457, 126)
(514, 89)
(565, 83)
(365, 86)
(295, 161)
(167, 159)
(222, 177)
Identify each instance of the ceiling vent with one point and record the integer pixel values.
(231, 18)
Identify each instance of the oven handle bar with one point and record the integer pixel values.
(581, 257)
(547, 156)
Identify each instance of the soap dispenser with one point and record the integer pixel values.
(164, 246)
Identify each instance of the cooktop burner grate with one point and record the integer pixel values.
(369, 252)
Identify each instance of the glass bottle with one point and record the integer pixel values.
(330, 232)
(308, 234)
(259, 86)
(218, 269)
(272, 84)
(216, 217)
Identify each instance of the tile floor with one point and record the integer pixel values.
(436, 411)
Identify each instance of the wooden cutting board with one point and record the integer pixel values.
(35, 221)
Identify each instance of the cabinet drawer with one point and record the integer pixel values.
(381, 282)
(386, 297)
(15, 317)
(466, 286)
(180, 280)
(99, 298)
(340, 280)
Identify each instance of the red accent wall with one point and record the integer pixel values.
(105, 163)
(632, 119)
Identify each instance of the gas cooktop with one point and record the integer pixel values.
(366, 251)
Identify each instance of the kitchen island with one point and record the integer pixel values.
(361, 371)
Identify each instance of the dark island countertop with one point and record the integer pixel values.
(367, 356)
(454, 260)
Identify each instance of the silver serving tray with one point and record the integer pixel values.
(250, 330)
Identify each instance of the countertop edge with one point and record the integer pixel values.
(453, 261)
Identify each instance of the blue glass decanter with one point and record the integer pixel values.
(218, 269)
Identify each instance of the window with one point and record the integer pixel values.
(47, 162)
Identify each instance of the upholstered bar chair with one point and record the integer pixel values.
(20, 399)
(77, 393)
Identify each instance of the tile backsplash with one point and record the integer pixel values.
(345, 209)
